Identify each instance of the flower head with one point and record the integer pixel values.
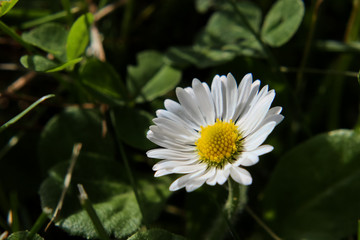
(212, 134)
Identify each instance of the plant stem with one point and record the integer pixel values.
(127, 166)
(235, 203)
(48, 18)
(309, 39)
(67, 8)
(15, 36)
(262, 224)
(88, 207)
(272, 60)
(38, 225)
(20, 115)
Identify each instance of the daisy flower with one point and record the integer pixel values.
(212, 134)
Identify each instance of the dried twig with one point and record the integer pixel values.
(20, 82)
(67, 180)
(108, 9)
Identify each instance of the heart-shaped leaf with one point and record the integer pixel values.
(282, 21)
(151, 78)
(314, 191)
(108, 188)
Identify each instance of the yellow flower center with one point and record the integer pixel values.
(219, 143)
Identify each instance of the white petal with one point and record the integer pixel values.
(256, 115)
(262, 150)
(189, 168)
(257, 138)
(205, 102)
(176, 129)
(193, 185)
(273, 115)
(243, 94)
(182, 181)
(246, 103)
(179, 183)
(179, 111)
(222, 176)
(216, 92)
(162, 172)
(231, 96)
(212, 180)
(163, 153)
(248, 159)
(169, 164)
(190, 106)
(161, 113)
(240, 175)
(156, 136)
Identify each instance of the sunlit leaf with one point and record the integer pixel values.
(151, 78)
(103, 81)
(6, 6)
(79, 36)
(50, 37)
(23, 235)
(155, 234)
(132, 125)
(108, 188)
(282, 21)
(66, 65)
(69, 127)
(42, 64)
(38, 63)
(314, 191)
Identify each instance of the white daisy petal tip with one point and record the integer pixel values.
(211, 147)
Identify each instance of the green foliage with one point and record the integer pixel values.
(50, 37)
(79, 36)
(282, 21)
(307, 192)
(103, 81)
(6, 6)
(112, 197)
(131, 125)
(23, 235)
(151, 78)
(107, 104)
(155, 234)
(225, 36)
(69, 127)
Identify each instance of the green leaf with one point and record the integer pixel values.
(79, 36)
(314, 190)
(102, 80)
(132, 126)
(50, 37)
(69, 127)
(203, 5)
(66, 65)
(282, 21)
(151, 78)
(42, 64)
(38, 63)
(111, 195)
(224, 37)
(155, 234)
(6, 6)
(226, 27)
(23, 235)
(202, 57)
